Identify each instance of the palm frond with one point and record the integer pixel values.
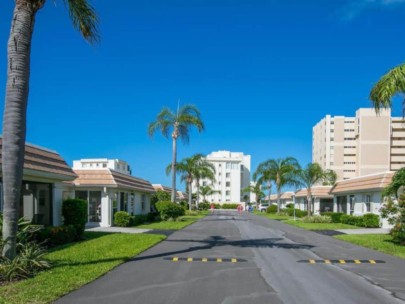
(84, 19)
(387, 87)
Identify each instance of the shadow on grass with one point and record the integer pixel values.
(88, 235)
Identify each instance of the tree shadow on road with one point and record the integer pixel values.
(218, 241)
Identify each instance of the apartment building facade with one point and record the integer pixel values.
(232, 174)
(355, 146)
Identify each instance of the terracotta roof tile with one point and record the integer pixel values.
(43, 160)
(368, 182)
(317, 191)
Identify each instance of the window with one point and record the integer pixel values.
(143, 201)
(228, 193)
(368, 203)
(228, 165)
(228, 175)
(104, 165)
(228, 184)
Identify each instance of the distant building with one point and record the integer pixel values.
(232, 174)
(180, 196)
(360, 145)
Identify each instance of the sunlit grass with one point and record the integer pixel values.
(77, 264)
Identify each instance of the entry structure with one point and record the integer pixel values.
(108, 186)
(42, 189)
(322, 200)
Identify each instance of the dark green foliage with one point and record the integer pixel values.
(169, 210)
(272, 209)
(55, 236)
(183, 204)
(289, 206)
(317, 219)
(74, 212)
(298, 213)
(122, 219)
(335, 216)
(159, 196)
(351, 220)
(204, 206)
(395, 214)
(229, 206)
(371, 220)
(140, 219)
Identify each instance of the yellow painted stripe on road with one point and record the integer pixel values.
(372, 261)
(357, 261)
(234, 260)
(204, 260)
(312, 261)
(327, 262)
(175, 259)
(189, 259)
(219, 260)
(342, 261)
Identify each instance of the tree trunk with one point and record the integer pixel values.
(269, 184)
(189, 195)
(278, 201)
(14, 119)
(198, 192)
(309, 202)
(174, 160)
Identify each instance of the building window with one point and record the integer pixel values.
(228, 175)
(228, 184)
(241, 167)
(228, 165)
(143, 201)
(228, 192)
(368, 203)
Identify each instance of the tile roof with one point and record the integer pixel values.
(368, 182)
(317, 191)
(108, 177)
(43, 160)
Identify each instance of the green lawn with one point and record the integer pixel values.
(173, 225)
(319, 226)
(77, 264)
(273, 216)
(380, 242)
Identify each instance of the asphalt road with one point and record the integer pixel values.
(232, 258)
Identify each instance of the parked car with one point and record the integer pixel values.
(263, 207)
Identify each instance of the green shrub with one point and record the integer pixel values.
(335, 216)
(169, 210)
(74, 212)
(289, 206)
(394, 212)
(230, 206)
(139, 219)
(55, 236)
(351, 220)
(192, 212)
(122, 219)
(317, 219)
(204, 206)
(272, 209)
(371, 220)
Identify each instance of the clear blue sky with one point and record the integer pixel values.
(262, 73)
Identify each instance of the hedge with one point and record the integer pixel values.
(122, 219)
(335, 216)
(169, 210)
(74, 212)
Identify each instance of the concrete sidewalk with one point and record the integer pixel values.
(118, 230)
(365, 231)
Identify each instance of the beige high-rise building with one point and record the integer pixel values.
(356, 146)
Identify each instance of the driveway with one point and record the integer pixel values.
(232, 258)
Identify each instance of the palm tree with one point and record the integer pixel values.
(387, 87)
(262, 177)
(85, 20)
(205, 170)
(189, 168)
(313, 174)
(180, 122)
(281, 172)
(256, 189)
(206, 191)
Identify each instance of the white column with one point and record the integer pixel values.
(105, 209)
(57, 200)
(335, 207)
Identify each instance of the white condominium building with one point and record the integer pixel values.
(355, 146)
(232, 174)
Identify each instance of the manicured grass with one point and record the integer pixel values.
(173, 225)
(273, 216)
(77, 264)
(380, 242)
(320, 226)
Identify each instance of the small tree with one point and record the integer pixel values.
(160, 196)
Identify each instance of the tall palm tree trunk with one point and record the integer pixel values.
(174, 160)
(309, 202)
(198, 193)
(278, 201)
(14, 120)
(189, 195)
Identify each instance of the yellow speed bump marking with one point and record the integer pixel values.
(327, 262)
(372, 261)
(219, 260)
(204, 260)
(175, 259)
(234, 260)
(342, 261)
(357, 261)
(312, 261)
(189, 259)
